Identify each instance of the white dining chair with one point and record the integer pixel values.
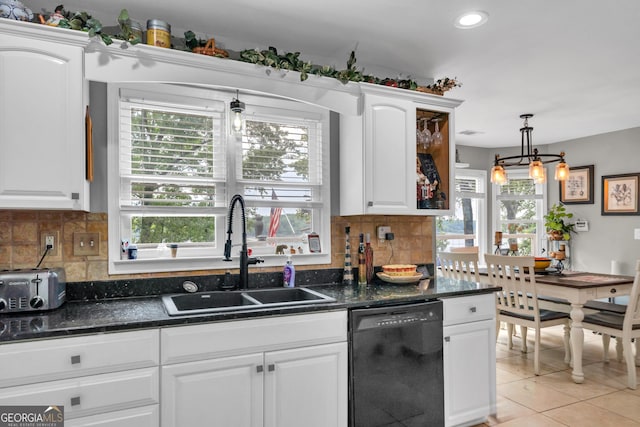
(517, 302)
(624, 326)
(463, 266)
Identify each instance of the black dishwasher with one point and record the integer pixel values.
(395, 366)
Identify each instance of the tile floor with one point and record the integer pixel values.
(552, 398)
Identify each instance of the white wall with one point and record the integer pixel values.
(609, 237)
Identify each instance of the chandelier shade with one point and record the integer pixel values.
(530, 157)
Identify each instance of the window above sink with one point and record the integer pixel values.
(173, 165)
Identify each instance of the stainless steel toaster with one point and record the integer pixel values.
(31, 290)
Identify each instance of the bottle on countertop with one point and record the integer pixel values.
(368, 258)
(289, 274)
(362, 269)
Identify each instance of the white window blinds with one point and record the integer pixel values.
(171, 155)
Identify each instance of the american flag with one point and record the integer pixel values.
(274, 222)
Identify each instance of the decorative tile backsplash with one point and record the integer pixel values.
(20, 247)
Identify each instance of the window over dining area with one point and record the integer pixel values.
(518, 209)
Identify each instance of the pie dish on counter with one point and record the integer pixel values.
(400, 279)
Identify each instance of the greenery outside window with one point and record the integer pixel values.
(518, 209)
(174, 166)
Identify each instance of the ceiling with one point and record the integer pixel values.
(574, 64)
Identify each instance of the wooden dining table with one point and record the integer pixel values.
(578, 288)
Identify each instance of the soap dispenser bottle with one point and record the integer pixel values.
(289, 274)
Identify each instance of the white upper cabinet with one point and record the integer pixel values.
(42, 121)
(380, 155)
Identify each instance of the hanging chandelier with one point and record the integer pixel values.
(530, 157)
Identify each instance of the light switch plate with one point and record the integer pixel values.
(86, 244)
(636, 234)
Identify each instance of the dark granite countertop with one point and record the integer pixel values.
(87, 316)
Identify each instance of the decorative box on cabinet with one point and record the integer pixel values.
(284, 371)
(43, 97)
(108, 379)
(469, 359)
(379, 153)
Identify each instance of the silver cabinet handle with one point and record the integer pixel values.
(447, 339)
(472, 309)
(75, 359)
(271, 368)
(613, 290)
(259, 368)
(75, 401)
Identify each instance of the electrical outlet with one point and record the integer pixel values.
(382, 231)
(50, 238)
(86, 244)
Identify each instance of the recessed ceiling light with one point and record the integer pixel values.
(471, 19)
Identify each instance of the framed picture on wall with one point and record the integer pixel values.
(620, 194)
(578, 188)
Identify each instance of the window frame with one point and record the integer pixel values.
(255, 105)
(481, 197)
(540, 240)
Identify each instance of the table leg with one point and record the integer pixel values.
(577, 342)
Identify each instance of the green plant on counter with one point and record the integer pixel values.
(554, 222)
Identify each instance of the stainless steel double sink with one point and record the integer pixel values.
(224, 301)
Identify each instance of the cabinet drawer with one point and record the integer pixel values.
(77, 356)
(146, 416)
(198, 342)
(468, 309)
(613, 291)
(90, 395)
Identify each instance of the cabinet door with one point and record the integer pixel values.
(214, 393)
(469, 371)
(390, 153)
(42, 133)
(306, 387)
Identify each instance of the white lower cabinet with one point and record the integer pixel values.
(285, 371)
(103, 379)
(306, 386)
(469, 359)
(145, 416)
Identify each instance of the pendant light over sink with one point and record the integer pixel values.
(530, 157)
(237, 107)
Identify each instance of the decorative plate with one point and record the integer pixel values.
(400, 279)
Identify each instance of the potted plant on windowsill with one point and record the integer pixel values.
(556, 223)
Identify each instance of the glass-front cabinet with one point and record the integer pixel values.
(398, 156)
(434, 187)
